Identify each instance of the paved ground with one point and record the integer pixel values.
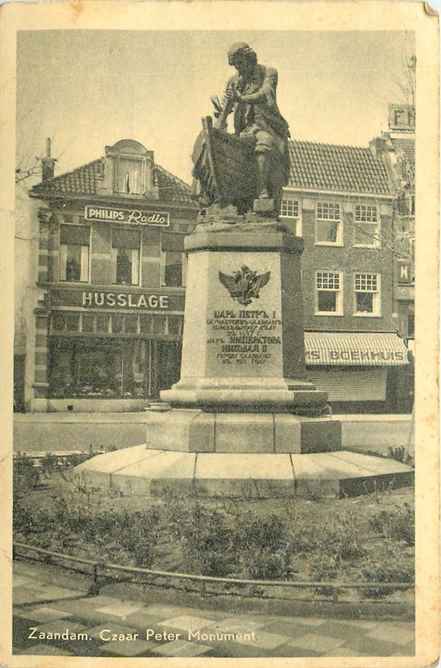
(110, 626)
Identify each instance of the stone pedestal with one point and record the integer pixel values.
(243, 346)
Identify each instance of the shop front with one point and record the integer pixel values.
(111, 351)
(357, 370)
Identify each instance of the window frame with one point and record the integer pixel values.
(339, 312)
(287, 196)
(376, 301)
(132, 229)
(340, 229)
(163, 266)
(376, 242)
(62, 270)
(141, 161)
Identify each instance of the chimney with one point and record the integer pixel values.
(48, 163)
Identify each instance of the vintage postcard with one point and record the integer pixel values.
(220, 333)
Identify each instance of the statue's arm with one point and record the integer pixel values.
(228, 100)
(266, 92)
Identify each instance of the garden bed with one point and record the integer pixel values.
(368, 539)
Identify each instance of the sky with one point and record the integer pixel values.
(89, 89)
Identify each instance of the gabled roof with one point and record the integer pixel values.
(336, 168)
(84, 181)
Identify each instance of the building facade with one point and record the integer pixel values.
(396, 148)
(341, 200)
(107, 322)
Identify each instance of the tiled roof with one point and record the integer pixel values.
(84, 179)
(336, 168)
(314, 166)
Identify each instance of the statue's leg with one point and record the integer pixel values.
(263, 164)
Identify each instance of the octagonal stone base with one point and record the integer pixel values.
(141, 471)
(193, 430)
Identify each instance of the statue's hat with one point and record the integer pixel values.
(239, 49)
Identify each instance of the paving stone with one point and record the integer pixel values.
(238, 625)
(399, 634)
(187, 623)
(141, 621)
(44, 614)
(95, 631)
(47, 650)
(21, 581)
(170, 611)
(26, 595)
(317, 642)
(128, 648)
(344, 651)
(182, 648)
(265, 640)
(292, 628)
(122, 610)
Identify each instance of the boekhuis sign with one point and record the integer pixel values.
(129, 216)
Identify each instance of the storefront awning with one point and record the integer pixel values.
(357, 349)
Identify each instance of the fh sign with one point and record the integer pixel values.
(130, 216)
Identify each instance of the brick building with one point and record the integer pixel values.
(341, 200)
(108, 313)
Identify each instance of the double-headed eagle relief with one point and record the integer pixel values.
(251, 165)
(244, 285)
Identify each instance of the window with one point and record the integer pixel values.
(366, 226)
(74, 253)
(172, 259)
(126, 256)
(289, 208)
(367, 297)
(329, 224)
(329, 297)
(130, 177)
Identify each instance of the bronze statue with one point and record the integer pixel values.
(252, 164)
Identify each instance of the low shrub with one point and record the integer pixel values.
(324, 567)
(395, 524)
(392, 567)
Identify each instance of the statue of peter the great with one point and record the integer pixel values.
(251, 94)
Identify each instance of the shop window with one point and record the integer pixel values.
(131, 324)
(367, 294)
(146, 324)
(117, 324)
(88, 323)
(329, 225)
(329, 293)
(58, 322)
(125, 256)
(289, 209)
(366, 226)
(102, 324)
(72, 322)
(130, 177)
(74, 253)
(97, 368)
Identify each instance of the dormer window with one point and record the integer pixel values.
(130, 176)
(128, 170)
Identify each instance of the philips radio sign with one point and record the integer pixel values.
(129, 216)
